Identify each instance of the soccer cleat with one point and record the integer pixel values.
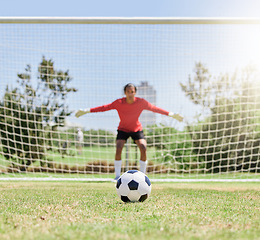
(116, 178)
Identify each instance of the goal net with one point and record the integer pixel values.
(207, 70)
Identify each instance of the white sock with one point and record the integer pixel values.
(118, 164)
(143, 166)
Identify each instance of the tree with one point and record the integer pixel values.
(31, 112)
(227, 139)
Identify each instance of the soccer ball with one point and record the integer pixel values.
(133, 186)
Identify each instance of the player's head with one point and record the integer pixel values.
(129, 85)
(130, 91)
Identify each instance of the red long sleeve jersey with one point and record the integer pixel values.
(129, 113)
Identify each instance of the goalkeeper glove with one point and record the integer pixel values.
(176, 116)
(81, 112)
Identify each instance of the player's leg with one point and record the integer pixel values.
(119, 147)
(118, 162)
(141, 143)
(120, 142)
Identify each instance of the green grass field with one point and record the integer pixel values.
(89, 154)
(80, 210)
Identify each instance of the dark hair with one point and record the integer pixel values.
(130, 85)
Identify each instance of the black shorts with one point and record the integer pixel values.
(121, 135)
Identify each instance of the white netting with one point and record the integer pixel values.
(209, 73)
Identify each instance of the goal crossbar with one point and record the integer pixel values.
(126, 20)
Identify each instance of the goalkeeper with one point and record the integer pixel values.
(129, 109)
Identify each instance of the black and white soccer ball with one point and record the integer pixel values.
(133, 186)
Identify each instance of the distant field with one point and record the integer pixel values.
(99, 154)
(78, 210)
(90, 154)
(95, 153)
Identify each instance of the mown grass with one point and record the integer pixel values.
(89, 154)
(79, 210)
(153, 176)
(97, 153)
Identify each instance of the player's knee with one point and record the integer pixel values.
(119, 146)
(142, 147)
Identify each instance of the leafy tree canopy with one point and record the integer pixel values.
(31, 111)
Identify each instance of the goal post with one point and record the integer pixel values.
(206, 69)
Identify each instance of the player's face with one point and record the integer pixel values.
(130, 93)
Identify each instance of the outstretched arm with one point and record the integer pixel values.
(103, 108)
(153, 108)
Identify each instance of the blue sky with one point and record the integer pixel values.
(135, 73)
(132, 8)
